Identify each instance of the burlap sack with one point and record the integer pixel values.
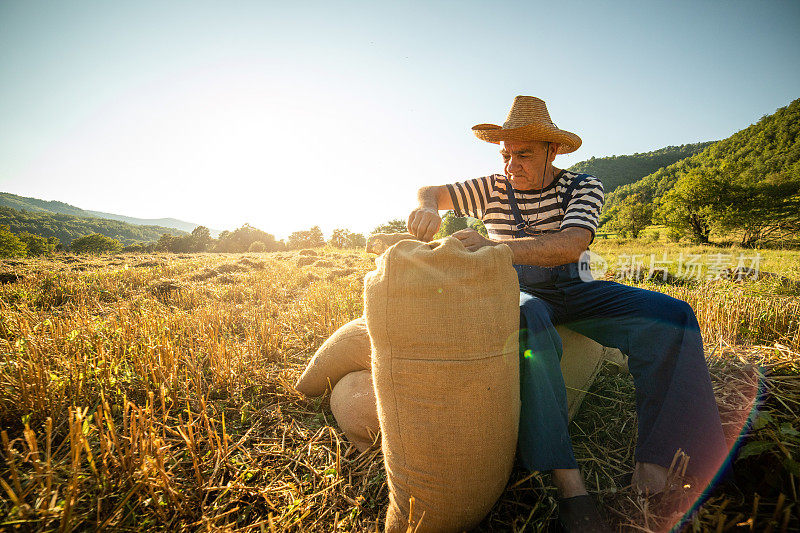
(347, 350)
(354, 407)
(353, 398)
(581, 360)
(444, 327)
(377, 243)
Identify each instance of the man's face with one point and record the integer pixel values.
(525, 162)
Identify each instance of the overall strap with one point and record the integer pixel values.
(519, 222)
(576, 181)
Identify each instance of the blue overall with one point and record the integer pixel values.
(675, 403)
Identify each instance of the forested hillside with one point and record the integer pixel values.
(24, 203)
(618, 170)
(748, 184)
(69, 227)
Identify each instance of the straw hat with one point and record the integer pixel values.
(528, 120)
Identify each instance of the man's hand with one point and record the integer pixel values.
(472, 240)
(424, 222)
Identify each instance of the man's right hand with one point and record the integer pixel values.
(424, 222)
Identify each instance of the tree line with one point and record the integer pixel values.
(67, 228)
(244, 239)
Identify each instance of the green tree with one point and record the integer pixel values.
(201, 239)
(450, 224)
(631, 216)
(177, 244)
(396, 225)
(241, 238)
(478, 226)
(10, 244)
(257, 246)
(340, 238)
(37, 245)
(356, 240)
(344, 238)
(95, 243)
(731, 199)
(310, 238)
(688, 207)
(763, 211)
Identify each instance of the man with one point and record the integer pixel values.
(548, 218)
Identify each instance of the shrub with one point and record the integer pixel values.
(10, 244)
(95, 243)
(38, 245)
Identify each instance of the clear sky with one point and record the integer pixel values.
(290, 114)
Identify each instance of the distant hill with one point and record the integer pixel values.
(763, 148)
(748, 183)
(618, 170)
(23, 203)
(69, 227)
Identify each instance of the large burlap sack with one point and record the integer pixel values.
(377, 243)
(444, 324)
(353, 397)
(347, 350)
(354, 406)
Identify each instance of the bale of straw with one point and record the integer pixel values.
(444, 324)
(378, 243)
(354, 406)
(347, 350)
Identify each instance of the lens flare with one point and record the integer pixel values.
(752, 393)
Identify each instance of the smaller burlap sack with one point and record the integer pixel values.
(347, 350)
(444, 324)
(581, 360)
(377, 243)
(354, 407)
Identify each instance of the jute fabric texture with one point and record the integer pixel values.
(378, 243)
(354, 406)
(581, 360)
(353, 400)
(444, 327)
(347, 350)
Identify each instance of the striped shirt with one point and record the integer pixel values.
(487, 199)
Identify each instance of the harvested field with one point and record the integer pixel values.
(156, 394)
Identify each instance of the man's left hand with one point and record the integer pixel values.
(472, 240)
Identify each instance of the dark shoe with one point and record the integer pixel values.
(579, 514)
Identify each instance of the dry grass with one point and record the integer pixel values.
(155, 393)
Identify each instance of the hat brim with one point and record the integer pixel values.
(568, 141)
